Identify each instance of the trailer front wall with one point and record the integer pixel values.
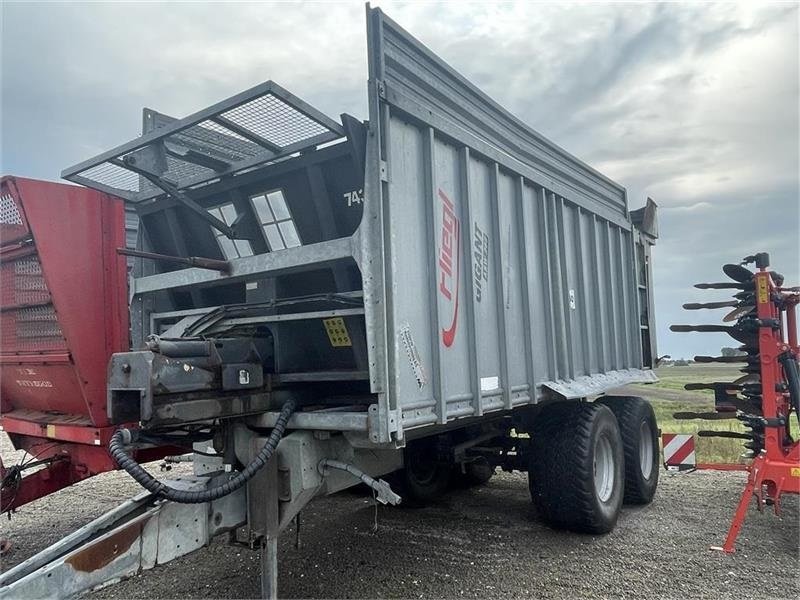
(499, 273)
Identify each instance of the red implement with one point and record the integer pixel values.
(765, 400)
(63, 311)
(776, 469)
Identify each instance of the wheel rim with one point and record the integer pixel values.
(604, 469)
(646, 449)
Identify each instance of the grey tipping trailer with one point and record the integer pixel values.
(398, 297)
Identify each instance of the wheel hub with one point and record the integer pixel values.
(604, 469)
(646, 450)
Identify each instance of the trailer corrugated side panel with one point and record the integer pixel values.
(494, 262)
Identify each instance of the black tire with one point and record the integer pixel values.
(476, 472)
(642, 458)
(422, 479)
(566, 440)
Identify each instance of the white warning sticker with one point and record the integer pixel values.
(489, 383)
(413, 356)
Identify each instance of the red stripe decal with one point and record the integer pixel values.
(681, 453)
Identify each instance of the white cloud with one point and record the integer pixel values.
(696, 207)
(695, 105)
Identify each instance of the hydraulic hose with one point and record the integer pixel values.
(792, 372)
(385, 495)
(122, 437)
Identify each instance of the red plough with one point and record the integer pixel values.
(765, 397)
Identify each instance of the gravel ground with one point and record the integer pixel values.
(477, 543)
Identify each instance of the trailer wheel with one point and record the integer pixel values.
(576, 467)
(422, 479)
(639, 429)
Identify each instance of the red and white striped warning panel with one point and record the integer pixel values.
(678, 451)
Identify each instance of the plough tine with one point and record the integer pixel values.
(738, 273)
(702, 305)
(727, 359)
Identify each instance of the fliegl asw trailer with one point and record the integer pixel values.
(325, 303)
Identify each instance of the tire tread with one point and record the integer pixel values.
(561, 438)
(627, 410)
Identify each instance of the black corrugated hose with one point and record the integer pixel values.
(122, 437)
(792, 372)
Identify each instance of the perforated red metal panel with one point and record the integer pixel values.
(12, 220)
(29, 322)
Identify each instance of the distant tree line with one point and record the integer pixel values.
(685, 362)
(731, 352)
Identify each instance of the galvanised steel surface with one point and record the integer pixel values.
(495, 263)
(481, 268)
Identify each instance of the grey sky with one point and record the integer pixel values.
(695, 105)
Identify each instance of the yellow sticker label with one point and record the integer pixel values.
(763, 290)
(51, 431)
(337, 332)
(795, 471)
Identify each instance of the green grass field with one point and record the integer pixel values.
(668, 397)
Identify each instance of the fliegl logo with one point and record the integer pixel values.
(449, 267)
